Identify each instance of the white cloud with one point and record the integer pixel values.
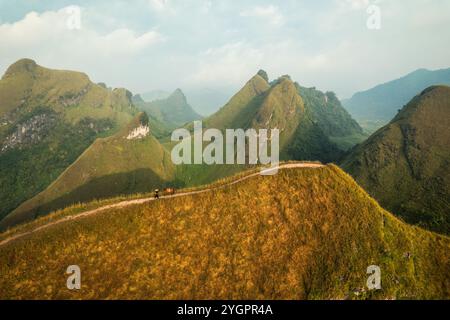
(232, 64)
(126, 41)
(319, 43)
(48, 39)
(355, 4)
(51, 27)
(158, 4)
(161, 6)
(226, 65)
(270, 13)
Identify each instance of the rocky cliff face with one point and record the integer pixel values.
(38, 127)
(139, 133)
(29, 132)
(73, 99)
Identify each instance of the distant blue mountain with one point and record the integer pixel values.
(382, 102)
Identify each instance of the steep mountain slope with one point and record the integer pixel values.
(236, 113)
(332, 118)
(308, 234)
(382, 102)
(405, 165)
(278, 104)
(173, 111)
(261, 105)
(47, 119)
(257, 105)
(131, 161)
(229, 116)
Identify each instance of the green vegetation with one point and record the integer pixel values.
(27, 172)
(309, 234)
(116, 166)
(277, 105)
(301, 234)
(262, 105)
(109, 167)
(335, 122)
(405, 165)
(47, 119)
(80, 207)
(238, 109)
(370, 126)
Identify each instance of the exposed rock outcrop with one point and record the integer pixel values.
(29, 132)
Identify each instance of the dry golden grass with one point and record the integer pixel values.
(301, 234)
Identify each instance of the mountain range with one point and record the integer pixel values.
(86, 130)
(377, 106)
(79, 163)
(47, 119)
(308, 120)
(205, 101)
(173, 111)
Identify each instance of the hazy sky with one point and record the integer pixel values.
(219, 44)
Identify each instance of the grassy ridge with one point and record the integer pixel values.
(109, 167)
(75, 112)
(310, 234)
(98, 203)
